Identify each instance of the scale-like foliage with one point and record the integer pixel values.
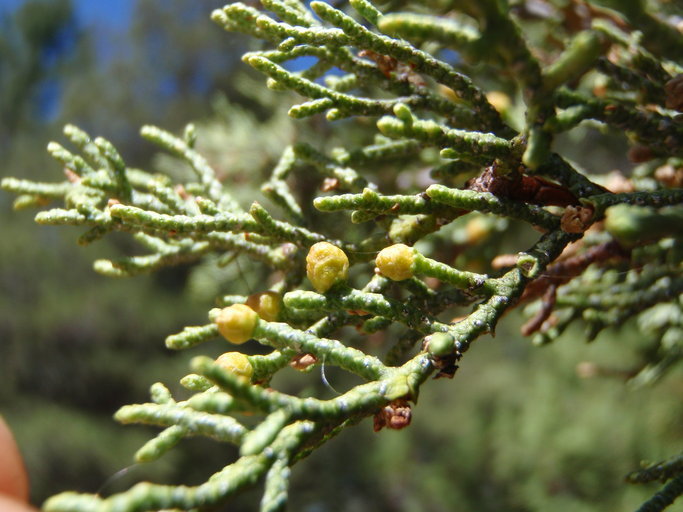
(605, 253)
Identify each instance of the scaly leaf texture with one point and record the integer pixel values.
(399, 78)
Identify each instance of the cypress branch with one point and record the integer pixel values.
(406, 114)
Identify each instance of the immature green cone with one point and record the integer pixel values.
(236, 363)
(440, 344)
(396, 262)
(236, 323)
(326, 265)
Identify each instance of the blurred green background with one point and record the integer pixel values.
(516, 430)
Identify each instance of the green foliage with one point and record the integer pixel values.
(65, 330)
(404, 105)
